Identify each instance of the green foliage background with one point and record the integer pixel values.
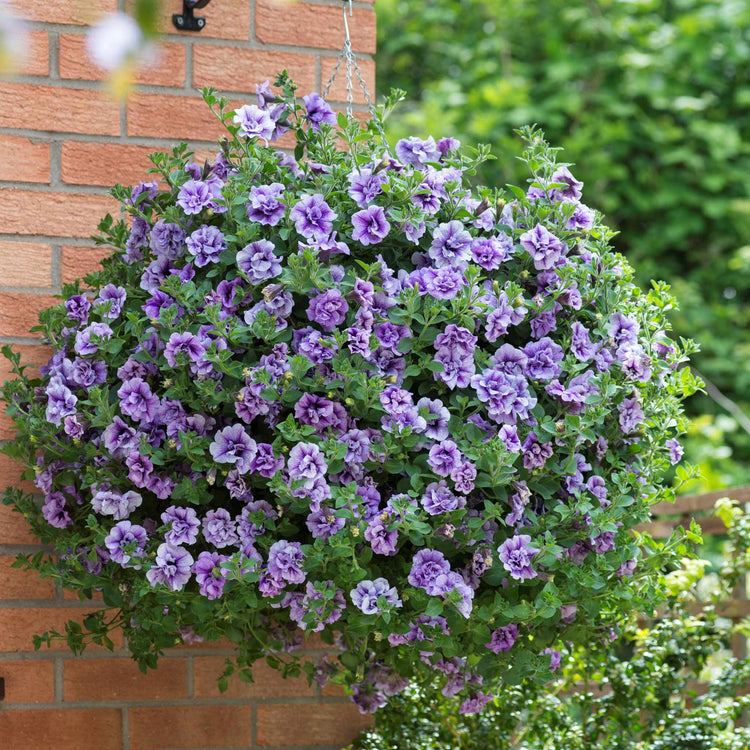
(651, 100)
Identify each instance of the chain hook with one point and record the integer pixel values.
(352, 66)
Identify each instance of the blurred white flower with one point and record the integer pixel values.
(115, 41)
(13, 39)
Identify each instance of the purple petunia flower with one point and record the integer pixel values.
(258, 262)
(438, 498)
(417, 152)
(502, 639)
(370, 226)
(313, 217)
(265, 205)
(555, 658)
(61, 401)
(167, 240)
(88, 338)
(631, 414)
(364, 186)
(285, 562)
(219, 528)
(55, 511)
(112, 502)
(306, 462)
(233, 445)
(366, 594)
(328, 309)
(126, 541)
(318, 111)
(206, 243)
(184, 525)
(490, 252)
(582, 218)
(507, 396)
(569, 194)
(545, 249)
(265, 462)
(120, 439)
(516, 555)
(110, 301)
(137, 401)
(440, 283)
(171, 567)
(382, 541)
(209, 574)
(88, 372)
(444, 457)
(598, 488)
(194, 196)
(254, 122)
(451, 245)
(675, 451)
(78, 307)
(183, 346)
(544, 359)
(429, 571)
(475, 703)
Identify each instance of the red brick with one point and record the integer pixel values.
(228, 19)
(312, 724)
(232, 69)
(19, 312)
(25, 264)
(52, 214)
(17, 583)
(168, 68)
(121, 680)
(106, 164)
(61, 110)
(268, 682)
(198, 646)
(178, 117)
(196, 726)
(338, 87)
(28, 681)
(333, 690)
(75, 596)
(10, 474)
(18, 625)
(64, 11)
(70, 729)
(23, 160)
(304, 25)
(13, 526)
(78, 261)
(36, 58)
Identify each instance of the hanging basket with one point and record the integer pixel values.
(350, 395)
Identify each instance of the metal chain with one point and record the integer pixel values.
(350, 61)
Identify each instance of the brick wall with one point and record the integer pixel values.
(63, 141)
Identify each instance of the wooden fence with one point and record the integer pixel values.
(668, 516)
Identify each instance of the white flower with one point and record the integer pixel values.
(114, 40)
(13, 39)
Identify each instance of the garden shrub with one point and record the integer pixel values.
(342, 393)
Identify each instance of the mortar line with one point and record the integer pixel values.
(59, 679)
(56, 268)
(125, 728)
(54, 56)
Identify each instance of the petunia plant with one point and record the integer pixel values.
(343, 392)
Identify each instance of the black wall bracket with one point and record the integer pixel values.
(186, 21)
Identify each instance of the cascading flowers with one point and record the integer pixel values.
(344, 393)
